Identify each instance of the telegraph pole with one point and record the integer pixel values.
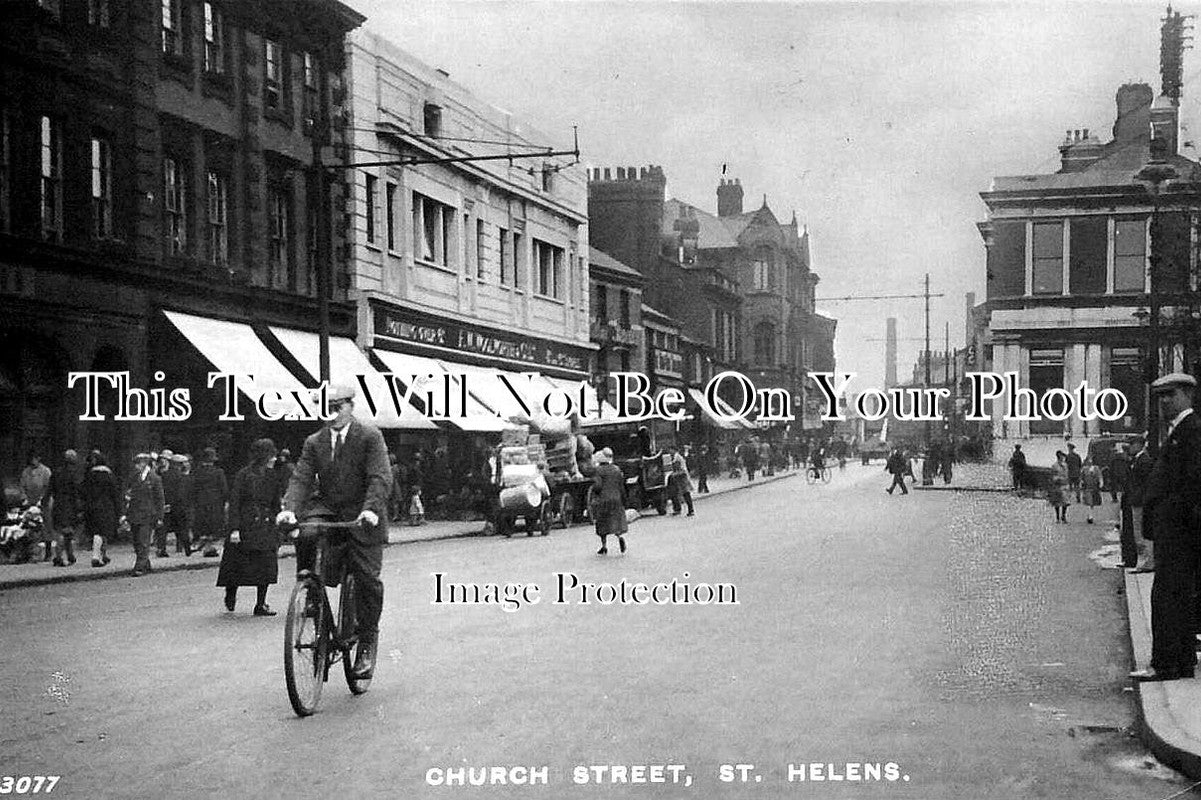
(927, 295)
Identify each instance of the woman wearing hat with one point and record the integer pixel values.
(609, 507)
(249, 557)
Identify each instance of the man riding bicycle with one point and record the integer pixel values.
(344, 468)
(818, 460)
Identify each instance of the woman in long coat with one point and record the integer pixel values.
(609, 508)
(209, 493)
(102, 501)
(250, 554)
(1057, 493)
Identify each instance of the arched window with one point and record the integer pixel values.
(765, 343)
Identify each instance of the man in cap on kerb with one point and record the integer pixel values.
(347, 462)
(1173, 505)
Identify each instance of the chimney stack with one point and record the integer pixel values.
(729, 198)
(890, 352)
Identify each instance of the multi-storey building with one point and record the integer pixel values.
(616, 308)
(1070, 257)
(740, 284)
(156, 205)
(460, 265)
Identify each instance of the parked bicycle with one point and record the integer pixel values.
(316, 636)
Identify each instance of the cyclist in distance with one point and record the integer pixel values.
(344, 468)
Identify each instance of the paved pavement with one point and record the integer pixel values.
(13, 576)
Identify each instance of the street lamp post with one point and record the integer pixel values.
(1155, 176)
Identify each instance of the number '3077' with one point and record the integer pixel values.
(27, 784)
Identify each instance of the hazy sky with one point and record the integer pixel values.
(879, 124)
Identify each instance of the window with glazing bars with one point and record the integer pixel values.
(218, 223)
(52, 179)
(175, 205)
(102, 188)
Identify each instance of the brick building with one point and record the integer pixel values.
(154, 176)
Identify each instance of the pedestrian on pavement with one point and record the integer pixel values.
(1074, 466)
(1134, 516)
(1017, 466)
(1119, 472)
(947, 465)
(343, 469)
(704, 465)
(210, 490)
(680, 481)
(64, 508)
(250, 556)
(896, 465)
(101, 505)
(1090, 482)
(174, 513)
(609, 506)
(765, 459)
(143, 510)
(749, 454)
(35, 479)
(1058, 493)
(1173, 500)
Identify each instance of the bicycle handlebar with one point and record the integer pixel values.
(322, 526)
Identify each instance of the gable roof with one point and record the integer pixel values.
(713, 233)
(599, 258)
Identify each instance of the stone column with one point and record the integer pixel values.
(1073, 373)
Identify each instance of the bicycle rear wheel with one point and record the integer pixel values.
(347, 624)
(306, 639)
(810, 475)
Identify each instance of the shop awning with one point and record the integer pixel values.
(346, 363)
(234, 347)
(487, 386)
(725, 424)
(478, 417)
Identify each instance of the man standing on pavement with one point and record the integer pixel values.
(173, 509)
(1141, 555)
(1017, 466)
(143, 510)
(1075, 463)
(347, 463)
(1173, 502)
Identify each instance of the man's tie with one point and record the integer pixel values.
(337, 445)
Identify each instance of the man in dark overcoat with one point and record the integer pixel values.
(1173, 501)
(65, 507)
(346, 462)
(143, 510)
(174, 513)
(210, 491)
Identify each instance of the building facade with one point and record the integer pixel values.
(461, 265)
(154, 181)
(1072, 259)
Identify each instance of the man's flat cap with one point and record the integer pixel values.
(1169, 382)
(341, 391)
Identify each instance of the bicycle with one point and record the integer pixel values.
(315, 638)
(814, 474)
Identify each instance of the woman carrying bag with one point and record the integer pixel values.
(250, 554)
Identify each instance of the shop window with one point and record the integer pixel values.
(1046, 372)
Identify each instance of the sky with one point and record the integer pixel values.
(878, 123)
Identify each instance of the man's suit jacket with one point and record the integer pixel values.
(1174, 488)
(145, 505)
(359, 480)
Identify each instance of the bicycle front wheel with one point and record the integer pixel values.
(348, 622)
(826, 475)
(306, 638)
